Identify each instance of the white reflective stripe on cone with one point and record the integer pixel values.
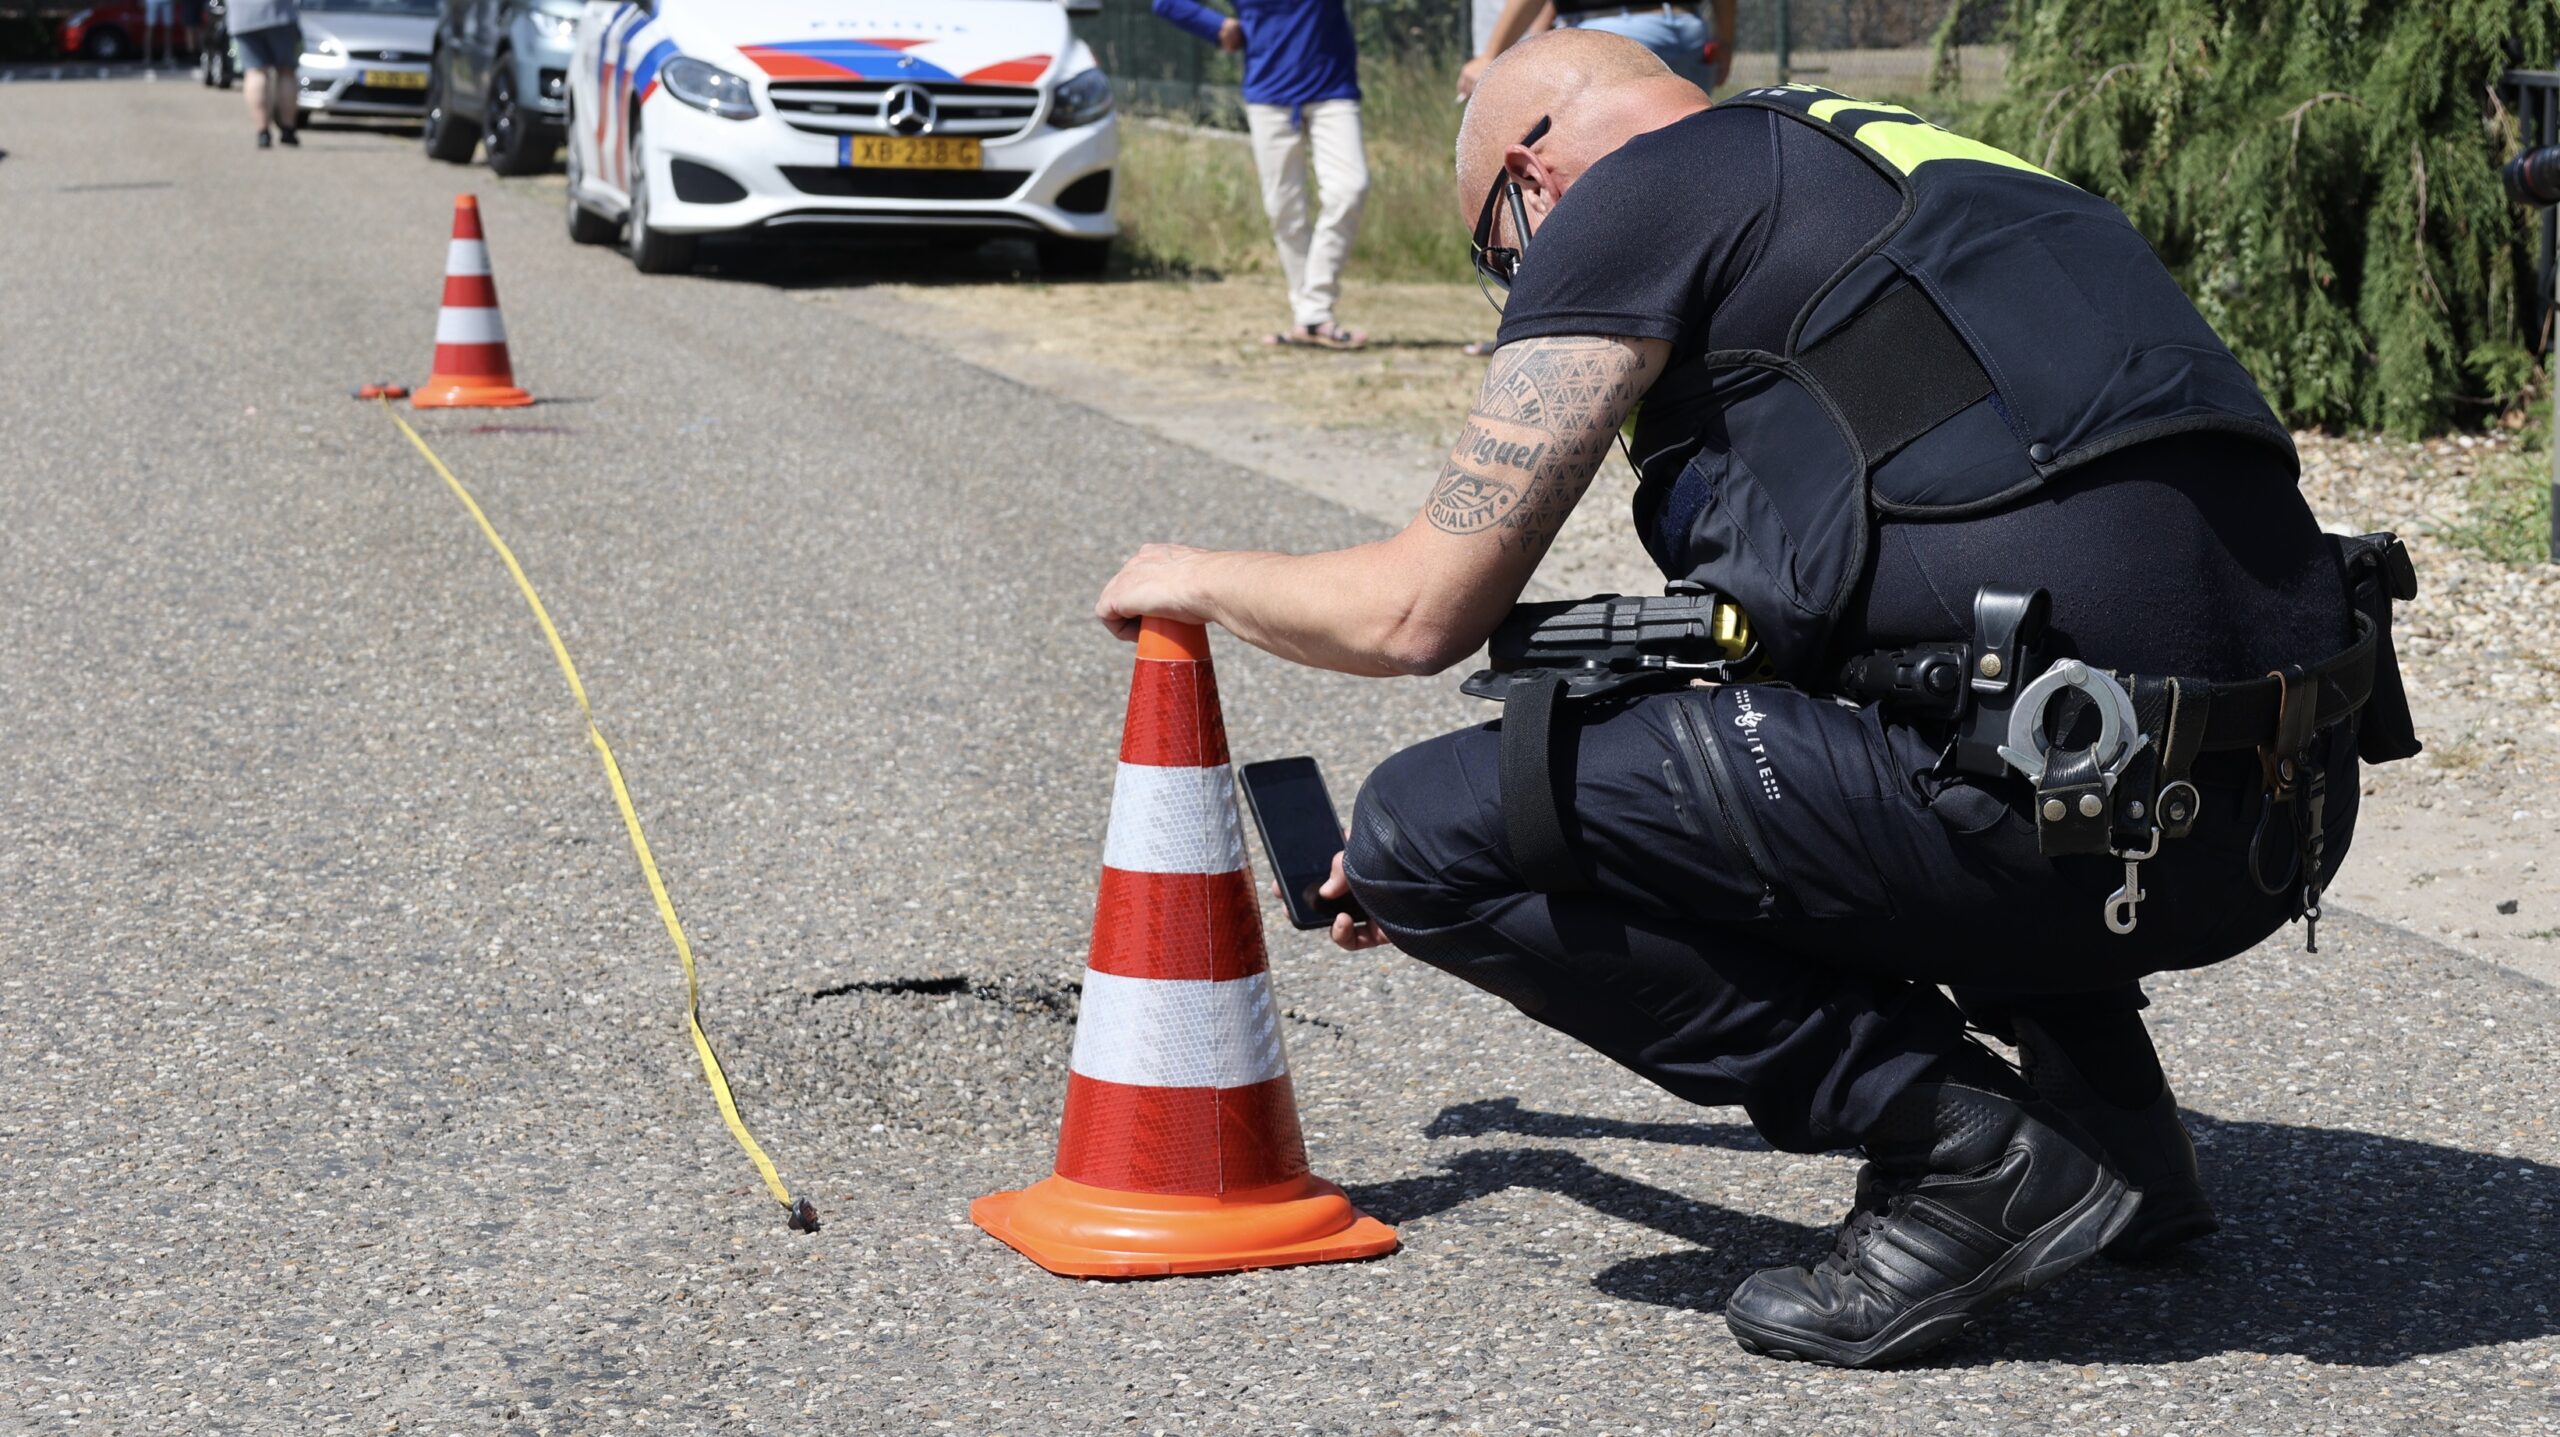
(470, 326)
(1173, 820)
(1179, 1032)
(467, 257)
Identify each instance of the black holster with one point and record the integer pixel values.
(1548, 658)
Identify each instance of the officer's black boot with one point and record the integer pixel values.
(1969, 1197)
(2141, 1136)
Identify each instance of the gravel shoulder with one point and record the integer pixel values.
(2454, 844)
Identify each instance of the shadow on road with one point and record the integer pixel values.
(2341, 1247)
(857, 265)
(1505, 1115)
(1726, 1246)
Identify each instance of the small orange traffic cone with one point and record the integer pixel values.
(471, 370)
(1180, 1149)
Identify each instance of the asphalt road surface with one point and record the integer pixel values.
(346, 1087)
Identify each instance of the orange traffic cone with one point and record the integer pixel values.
(1180, 1149)
(471, 370)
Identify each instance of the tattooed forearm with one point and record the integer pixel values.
(1540, 428)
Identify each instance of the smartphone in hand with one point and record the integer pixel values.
(1300, 834)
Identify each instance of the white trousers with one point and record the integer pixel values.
(1311, 253)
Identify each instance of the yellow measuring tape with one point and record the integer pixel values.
(804, 1217)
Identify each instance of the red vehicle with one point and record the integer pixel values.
(115, 30)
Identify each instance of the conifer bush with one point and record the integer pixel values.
(2320, 174)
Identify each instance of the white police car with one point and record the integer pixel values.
(801, 118)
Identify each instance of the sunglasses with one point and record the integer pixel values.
(1498, 263)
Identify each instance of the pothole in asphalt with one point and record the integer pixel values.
(980, 1058)
(1057, 1000)
(1049, 1000)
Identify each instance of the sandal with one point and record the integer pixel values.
(1327, 335)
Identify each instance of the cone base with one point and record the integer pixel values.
(467, 394)
(1077, 1230)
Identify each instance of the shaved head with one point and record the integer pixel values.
(1599, 90)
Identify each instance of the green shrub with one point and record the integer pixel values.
(2320, 174)
(2507, 507)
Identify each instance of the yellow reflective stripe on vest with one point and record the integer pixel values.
(1830, 109)
(1908, 147)
(1911, 142)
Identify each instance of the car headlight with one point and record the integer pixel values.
(555, 28)
(323, 51)
(709, 88)
(1082, 100)
(79, 18)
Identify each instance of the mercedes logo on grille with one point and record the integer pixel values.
(907, 110)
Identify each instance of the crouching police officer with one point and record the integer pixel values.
(2031, 672)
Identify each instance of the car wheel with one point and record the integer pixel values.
(105, 43)
(1074, 258)
(515, 140)
(653, 251)
(585, 225)
(446, 136)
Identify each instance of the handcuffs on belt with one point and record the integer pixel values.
(2127, 788)
(2000, 715)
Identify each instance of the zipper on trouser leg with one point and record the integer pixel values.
(1706, 754)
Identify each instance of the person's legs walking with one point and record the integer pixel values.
(255, 83)
(288, 89)
(267, 73)
(1342, 189)
(1280, 160)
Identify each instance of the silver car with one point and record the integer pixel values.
(366, 57)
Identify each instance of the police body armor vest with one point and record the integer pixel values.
(2003, 328)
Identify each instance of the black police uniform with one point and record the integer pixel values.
(1904, 365)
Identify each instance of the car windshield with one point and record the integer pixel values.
(373, 7)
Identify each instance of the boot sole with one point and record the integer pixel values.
(2052, 1250)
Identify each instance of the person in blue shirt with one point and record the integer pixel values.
(1302, 108)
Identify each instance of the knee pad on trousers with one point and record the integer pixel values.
(1382, 876)
(1407, 841)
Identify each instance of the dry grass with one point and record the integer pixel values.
(1204, 337)
(1191, 206)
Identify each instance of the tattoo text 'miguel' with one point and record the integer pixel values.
(1537, 435)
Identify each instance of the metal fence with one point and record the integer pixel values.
(1871, 47)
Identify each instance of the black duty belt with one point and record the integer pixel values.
(2117, 794)
(2126, 789)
